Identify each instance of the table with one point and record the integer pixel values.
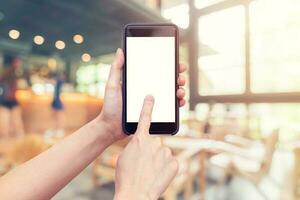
(203, 146)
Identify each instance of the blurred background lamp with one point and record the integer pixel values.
(59, 44)
(52, 63)
(14, 34)
(39, 40)
(85, 57)
(78, 39)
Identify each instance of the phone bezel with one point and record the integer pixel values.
(150, 30)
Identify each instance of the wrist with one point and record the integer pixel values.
(113, 127)
(102, 131)
(131, 195)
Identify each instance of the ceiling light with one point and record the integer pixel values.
(78, 39)
(59, 44)
(85, 57)
(38, 39)
(14, 34)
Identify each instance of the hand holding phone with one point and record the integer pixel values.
(111, 113)
(145, 168)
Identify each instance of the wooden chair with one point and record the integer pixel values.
(189, 167)
(195, 126)
(241, 141)
(249, 167)
(21, 150)
(296, 174)
(104, 166)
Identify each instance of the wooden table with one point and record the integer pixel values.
(203, 146)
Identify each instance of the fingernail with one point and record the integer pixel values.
(149, 98)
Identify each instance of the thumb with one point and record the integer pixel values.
(116, 69)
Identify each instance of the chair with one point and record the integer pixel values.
(189, 167)
(21, 150)
(296, 174)
(252, 168)
(104, 166)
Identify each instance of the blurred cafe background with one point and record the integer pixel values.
(240, 130)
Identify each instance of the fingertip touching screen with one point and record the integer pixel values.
(150, 69)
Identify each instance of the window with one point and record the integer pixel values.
(178, 14)
(258, 120)
(152, 4)
(205, 3)
(91, 79)
(275, 46)
(221, 52)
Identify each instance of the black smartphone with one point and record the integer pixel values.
(151, 68)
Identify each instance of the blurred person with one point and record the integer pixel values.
(57, 105)
(11, 123)
(144, 170)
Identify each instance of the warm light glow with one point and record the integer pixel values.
(178, 14)
(85, 57)
(14, 34)
(38, 39)
(221, 57)
(52, 63)
(59, 44)
(78, 39)
(205, 3)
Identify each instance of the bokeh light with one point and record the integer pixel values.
(14, 34)
(78, 39)
(59, 44)
(85, 57)
(38, 39)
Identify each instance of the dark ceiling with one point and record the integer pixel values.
(99, 21)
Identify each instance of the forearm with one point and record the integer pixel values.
(43, 176)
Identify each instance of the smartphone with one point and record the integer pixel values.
(151, 68)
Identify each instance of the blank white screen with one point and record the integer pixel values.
(151, 70)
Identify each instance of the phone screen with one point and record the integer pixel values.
(151, 70)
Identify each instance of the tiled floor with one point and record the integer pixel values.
(276, 186)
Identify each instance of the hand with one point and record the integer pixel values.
(111, 113)
(145, 168)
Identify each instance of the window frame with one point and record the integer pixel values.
(247, 96)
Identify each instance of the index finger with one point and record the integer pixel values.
(145, 116)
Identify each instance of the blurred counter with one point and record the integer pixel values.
(38, 115)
